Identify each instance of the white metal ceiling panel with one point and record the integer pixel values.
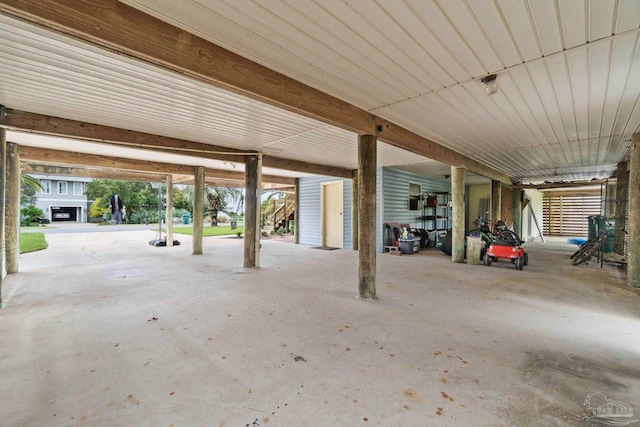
(446, 69)
(498, 33)
(578, 66)
(573, 19)
(463, 99)
(599, 60)
(522, 81)
(628, 17)
(440, 24)
(601, 18)
(463, 20)
(518, 101)
(414, 62)
(520, 23)
(416, 117)
(624, 122)
(557, 68)
(403, 49)
(624, 49)
(546, 22)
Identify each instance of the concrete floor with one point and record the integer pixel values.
(103, 329)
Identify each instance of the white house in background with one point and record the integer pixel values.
(63, 198)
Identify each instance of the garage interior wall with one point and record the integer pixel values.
(392, 204)
(566, 212)
(506, 208)
(529, 229)
(476, 192)
(393, 184)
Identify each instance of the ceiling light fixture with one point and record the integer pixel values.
(490, 84)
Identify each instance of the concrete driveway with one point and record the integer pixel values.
(102, 329)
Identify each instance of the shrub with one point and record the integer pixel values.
(222, 219)
(96, 211)
(31, 216)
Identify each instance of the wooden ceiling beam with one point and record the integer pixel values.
(81, 172)
(123, 29)
(72, 158)
(23, 121)
(554, 185)
(42, 169)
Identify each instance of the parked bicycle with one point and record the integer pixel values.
(593, 247)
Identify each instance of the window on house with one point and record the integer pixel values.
(415, 190)
(62, 188)
(46, 187)
(77, 189)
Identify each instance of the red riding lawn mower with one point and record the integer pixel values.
(507, 245)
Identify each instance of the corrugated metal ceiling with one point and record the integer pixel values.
(54, 75)
(568, 71)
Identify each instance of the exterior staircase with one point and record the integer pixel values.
(276, 214)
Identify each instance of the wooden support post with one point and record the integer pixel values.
(12, 208)
(169, 219)
(251, 217)
(296, 219)
(517, 211)
(367, 215)
(198, 196)
(496, 200)
(622, 196)
(633, 238)
(258, 209)
(457, 192)
(354, 211)
(3, 171)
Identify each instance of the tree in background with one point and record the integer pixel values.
(186, 197)
(214, 202)
(181, 200)
(28, 187)
(95, 211)
(138, 197)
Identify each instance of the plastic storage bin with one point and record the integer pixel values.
(409, 246)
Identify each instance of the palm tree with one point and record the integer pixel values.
(28, 187)
(29, 181)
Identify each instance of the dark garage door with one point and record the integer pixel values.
(64, 214)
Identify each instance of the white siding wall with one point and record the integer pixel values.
(393, 198)
(310, 215)
(392, 204)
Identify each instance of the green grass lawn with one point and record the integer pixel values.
(221, 230)
(30, 242)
